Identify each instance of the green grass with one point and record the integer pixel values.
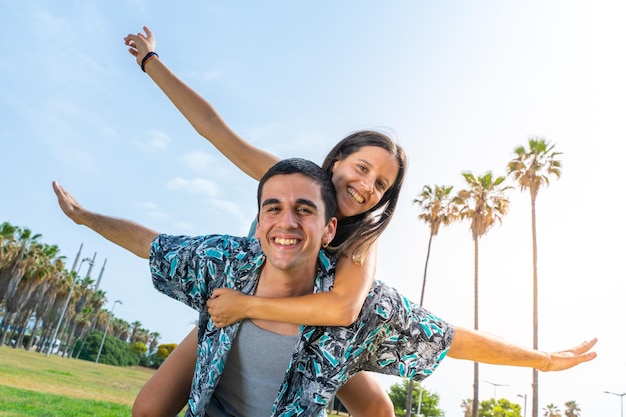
(16, 402)
(32, 384)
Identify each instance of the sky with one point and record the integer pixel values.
(459, 85)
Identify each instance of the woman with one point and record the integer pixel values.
(367, 169)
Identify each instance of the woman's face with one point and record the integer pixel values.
(362, 178)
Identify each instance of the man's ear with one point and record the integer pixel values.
(331, 230)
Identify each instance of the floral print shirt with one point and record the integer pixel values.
(392, 335)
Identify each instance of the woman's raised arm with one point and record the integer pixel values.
(198, 111)
(338, 307)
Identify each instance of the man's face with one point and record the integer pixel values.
(291, 225)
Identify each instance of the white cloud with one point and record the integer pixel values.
(158, 215)
(146, 205)
(199, 162)
(159, 140)
(194, 186)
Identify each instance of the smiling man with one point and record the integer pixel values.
(263, 368)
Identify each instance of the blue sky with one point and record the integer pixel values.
(459, 84)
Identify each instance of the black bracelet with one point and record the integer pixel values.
(146, 58)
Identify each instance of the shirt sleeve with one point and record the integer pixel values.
(189, 268)
(410, 341)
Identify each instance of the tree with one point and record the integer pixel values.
(500, 408)
(551, 410)
(436, 210)
(483, 203)
(572, 409)
(531, 169)
(466, 405)
(154, 341)
(162, 352)
(428, 406)
(139, 349)
(114, 351)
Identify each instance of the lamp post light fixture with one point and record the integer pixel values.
(67, 301)
(106, 329)
(621, 399)
(524, 397)
(495, 386)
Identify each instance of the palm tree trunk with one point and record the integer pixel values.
(7, 321)
(475, 402)
(409, 394)
(535, 385)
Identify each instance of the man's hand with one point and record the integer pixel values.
(131, 236)
(68, 204)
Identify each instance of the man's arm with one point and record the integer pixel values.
(482, 347)
(129, 235)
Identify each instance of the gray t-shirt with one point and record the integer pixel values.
(253, 373)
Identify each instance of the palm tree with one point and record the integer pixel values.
(466, 405)
(436, 209)
(551, 410)
(483, 203)
(135, 329)
(49, 311)
(154, 342)
(14, 256)
(531, 169)
(23, 274)
(572, 410)
(42, 261)
(95, 302)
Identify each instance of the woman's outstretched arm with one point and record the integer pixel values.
(198, 111)
(338, 307)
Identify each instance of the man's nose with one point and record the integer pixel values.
(288, 218)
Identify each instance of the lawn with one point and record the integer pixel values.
(32, 384)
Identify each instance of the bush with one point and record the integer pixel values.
(114, 351)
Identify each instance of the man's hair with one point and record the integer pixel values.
(310, 170)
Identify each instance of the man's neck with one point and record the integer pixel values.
(280, 283)
(277, 283)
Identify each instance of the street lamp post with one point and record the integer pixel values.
(621, 399)
(106, 329)
(67, 301)
(524, 397)
(496, 386)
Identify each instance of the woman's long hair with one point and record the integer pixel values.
(357, 233)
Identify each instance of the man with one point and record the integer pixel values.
(252, 368)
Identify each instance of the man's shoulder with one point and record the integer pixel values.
(214, 245)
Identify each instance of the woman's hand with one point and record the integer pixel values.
(139, 45)
(226, 306)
